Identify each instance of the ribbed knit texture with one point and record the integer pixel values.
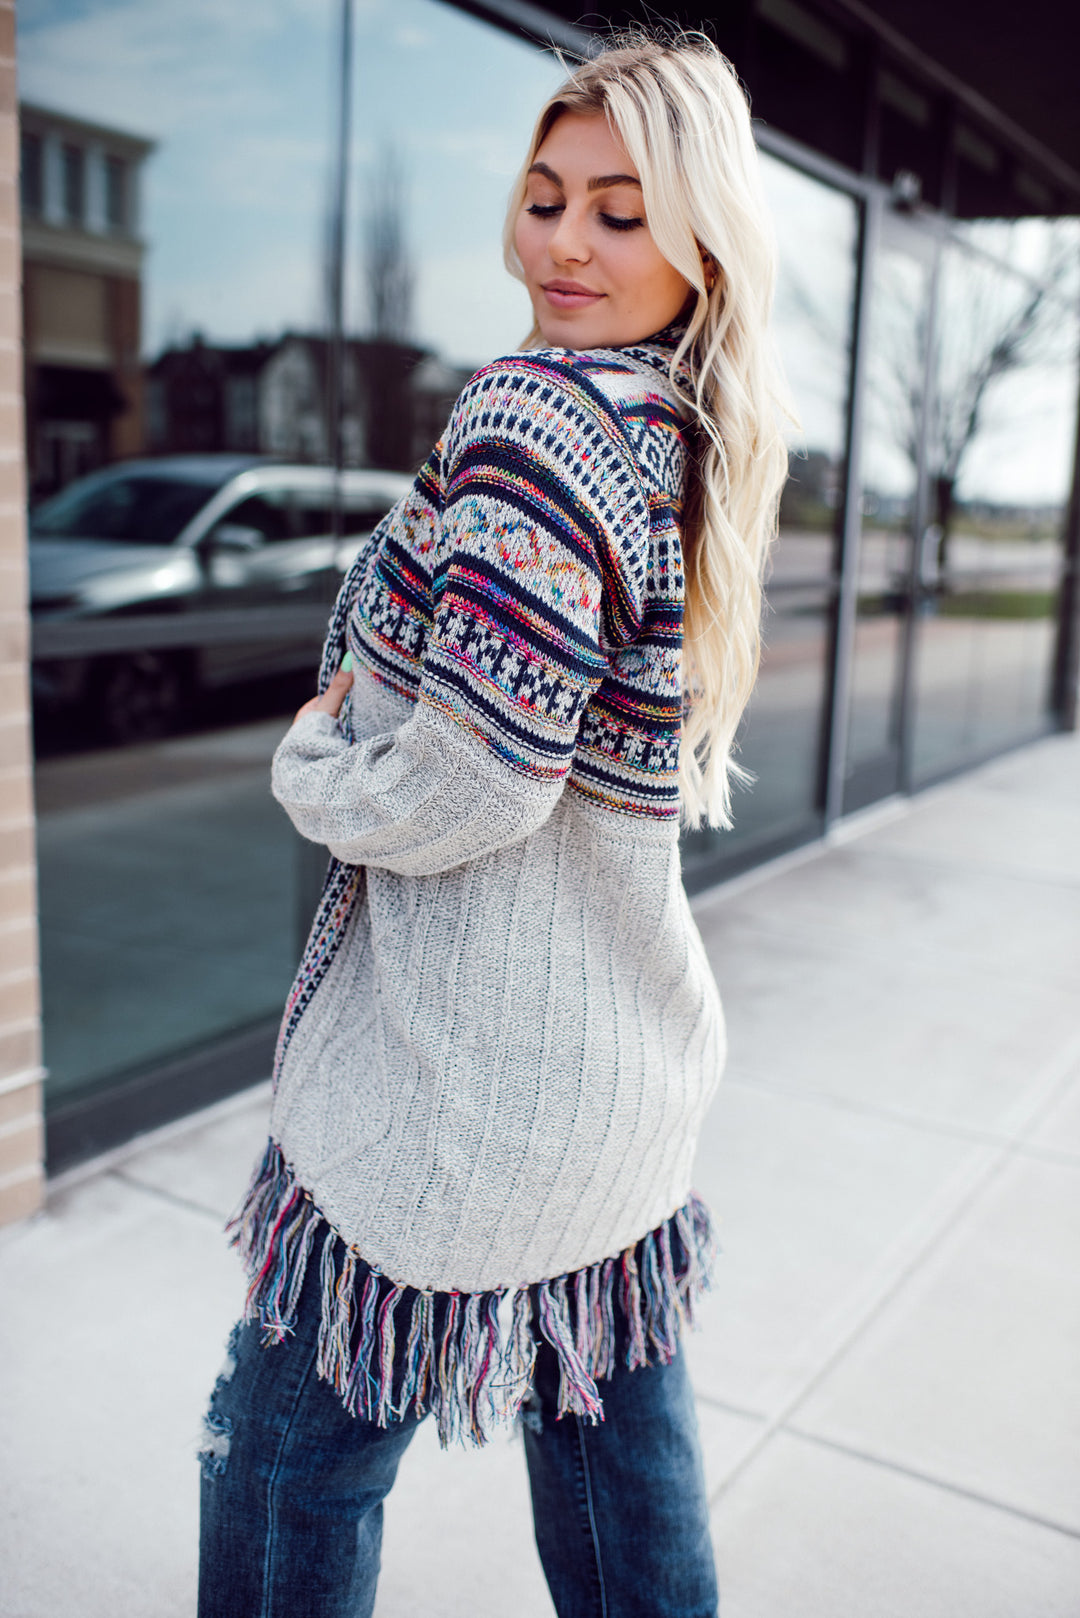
(504, 1031)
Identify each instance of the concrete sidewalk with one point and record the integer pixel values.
(889, 1365)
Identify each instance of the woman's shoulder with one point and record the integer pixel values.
(604, 385)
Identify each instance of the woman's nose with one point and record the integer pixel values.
(568, 242)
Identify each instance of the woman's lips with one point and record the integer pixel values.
(569, 295)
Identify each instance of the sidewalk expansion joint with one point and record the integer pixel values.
(728, 1408)
(925, 1123)
(187, 1203)
(902, 1469)
(972, 865)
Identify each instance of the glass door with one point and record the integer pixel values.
(897, 365)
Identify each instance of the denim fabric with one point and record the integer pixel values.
(292, 1491)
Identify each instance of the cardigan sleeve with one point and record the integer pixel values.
(539, 579)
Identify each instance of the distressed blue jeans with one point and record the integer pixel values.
(293, 1486)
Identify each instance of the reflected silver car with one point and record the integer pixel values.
(155, 580)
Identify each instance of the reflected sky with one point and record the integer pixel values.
(240, 98)
(816, 229)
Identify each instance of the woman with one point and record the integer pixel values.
(504, 1032)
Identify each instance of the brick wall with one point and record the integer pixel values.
(21, 1178)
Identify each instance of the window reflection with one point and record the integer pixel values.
(74, 182)
(31, 176)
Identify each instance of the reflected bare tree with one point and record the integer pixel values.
(389, 277)
(389, 284)
(990, 323)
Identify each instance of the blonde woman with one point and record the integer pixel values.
(475, 1202)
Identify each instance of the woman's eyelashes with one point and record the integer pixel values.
(548, 210)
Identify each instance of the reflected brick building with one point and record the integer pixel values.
(82, 295)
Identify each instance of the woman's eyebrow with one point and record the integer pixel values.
(599, 182)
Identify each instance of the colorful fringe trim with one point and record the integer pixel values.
(468, 1356)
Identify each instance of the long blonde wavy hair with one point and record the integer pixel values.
(679, 111)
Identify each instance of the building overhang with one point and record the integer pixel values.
(995, 80)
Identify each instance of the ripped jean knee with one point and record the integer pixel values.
(217, 1427)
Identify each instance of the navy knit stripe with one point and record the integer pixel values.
(484, 588)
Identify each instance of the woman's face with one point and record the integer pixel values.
(595, 276)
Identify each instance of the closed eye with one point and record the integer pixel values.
(612, 221)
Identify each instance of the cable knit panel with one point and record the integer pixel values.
(504, 1031)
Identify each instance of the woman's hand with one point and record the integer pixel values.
(334, 695)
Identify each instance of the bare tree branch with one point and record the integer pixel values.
(388, 270)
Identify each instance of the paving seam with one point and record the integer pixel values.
(897, 854)
(726, 1407)
(964, 1188)
(948, 1487)
(171, 1197)
(924, 1123)
(976, 867)
(813, 932)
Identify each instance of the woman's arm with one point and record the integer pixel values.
(540, 575)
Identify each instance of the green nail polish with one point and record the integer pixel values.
(346, 663)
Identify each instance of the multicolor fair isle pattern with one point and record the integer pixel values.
(530, 587)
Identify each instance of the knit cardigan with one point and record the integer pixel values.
(504, 1032)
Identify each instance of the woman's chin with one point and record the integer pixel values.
(563, 334)
(576, 333)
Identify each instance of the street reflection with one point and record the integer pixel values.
(166, 907)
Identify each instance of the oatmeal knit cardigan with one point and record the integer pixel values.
(504, 1032)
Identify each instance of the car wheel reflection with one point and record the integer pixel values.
(139, 698)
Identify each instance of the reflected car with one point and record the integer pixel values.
(157, 580)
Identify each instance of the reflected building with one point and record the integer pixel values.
(82, 294)
(923, 606)
(275, 398)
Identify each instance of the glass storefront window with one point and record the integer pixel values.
(187, 535)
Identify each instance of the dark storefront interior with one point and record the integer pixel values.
(209, 281)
